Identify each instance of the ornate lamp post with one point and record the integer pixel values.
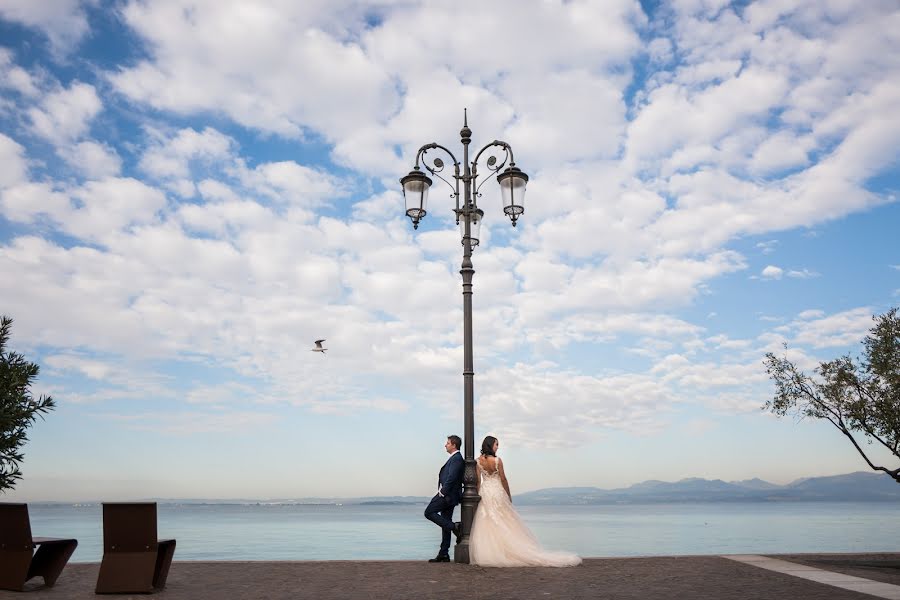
(468, 216)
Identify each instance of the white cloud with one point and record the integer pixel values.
(586, 326)
(186, 158)
(767, 247)
(91, 368)
(772, 272)
(14, 77)
(802, 274)
(812, 313)
(66, 114)
(288, 182)
(702, 376)
(780, 152)
(188, 423)
(700, 426)
(632, 205)
(265, 83)
(551, 408)
(712, 113)
(170, 157)
(345, 406)
(674, 116)
(223, 216)
(222, 394)
(839, 329)
(709, 71)
(723, 342)
(26, 202)
(594, 108)
(380, 207)
(660, 50)
(98, 210)
(12, 157)
(604, 221)
(63, 21)
(94, 159)
(261, 73)
(634, 285)
(113, 378)
(584, 35)
(109, 205)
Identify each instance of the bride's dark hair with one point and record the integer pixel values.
(487, 446)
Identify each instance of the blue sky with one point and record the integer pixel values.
(191, 192)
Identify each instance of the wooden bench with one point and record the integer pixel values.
(18, 560)
(134, 561)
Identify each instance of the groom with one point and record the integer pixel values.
(440, 509)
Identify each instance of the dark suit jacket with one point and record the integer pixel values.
(450, 478)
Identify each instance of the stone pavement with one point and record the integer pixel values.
(682, 578)
(832, 578)
(884, 567)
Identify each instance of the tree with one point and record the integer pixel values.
(18, 408)
(861, 396)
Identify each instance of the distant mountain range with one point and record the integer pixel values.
(856, 487)
(860, 486)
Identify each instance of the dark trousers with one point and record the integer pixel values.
(440, 512)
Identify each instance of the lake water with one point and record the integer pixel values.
(400, 532)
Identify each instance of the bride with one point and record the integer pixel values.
(499, 538)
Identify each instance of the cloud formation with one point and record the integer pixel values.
(228, 193)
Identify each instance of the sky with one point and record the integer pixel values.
(193, 191)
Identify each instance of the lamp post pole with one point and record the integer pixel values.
(470, 496)
(415, 191)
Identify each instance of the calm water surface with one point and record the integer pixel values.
(400, 532)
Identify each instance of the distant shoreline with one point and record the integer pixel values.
(636, 502)
(861, 486)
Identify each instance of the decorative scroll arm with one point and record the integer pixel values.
(501, 144)
(438, 165)
(491, 164)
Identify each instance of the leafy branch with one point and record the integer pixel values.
(856, 396)
(18, 408)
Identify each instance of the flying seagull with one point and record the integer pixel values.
(319, 347)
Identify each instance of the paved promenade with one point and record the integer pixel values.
(682, 578)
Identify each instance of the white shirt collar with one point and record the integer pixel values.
(452, 453)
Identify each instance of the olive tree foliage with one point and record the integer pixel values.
(18, 408)
(861, 397)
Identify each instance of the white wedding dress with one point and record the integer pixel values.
(499, 537)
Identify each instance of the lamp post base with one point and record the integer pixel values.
(469, 503)
(461, 553)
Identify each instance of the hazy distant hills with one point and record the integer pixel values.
(861, 486)
(855, 487)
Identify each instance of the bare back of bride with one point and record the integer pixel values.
(499, 537)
